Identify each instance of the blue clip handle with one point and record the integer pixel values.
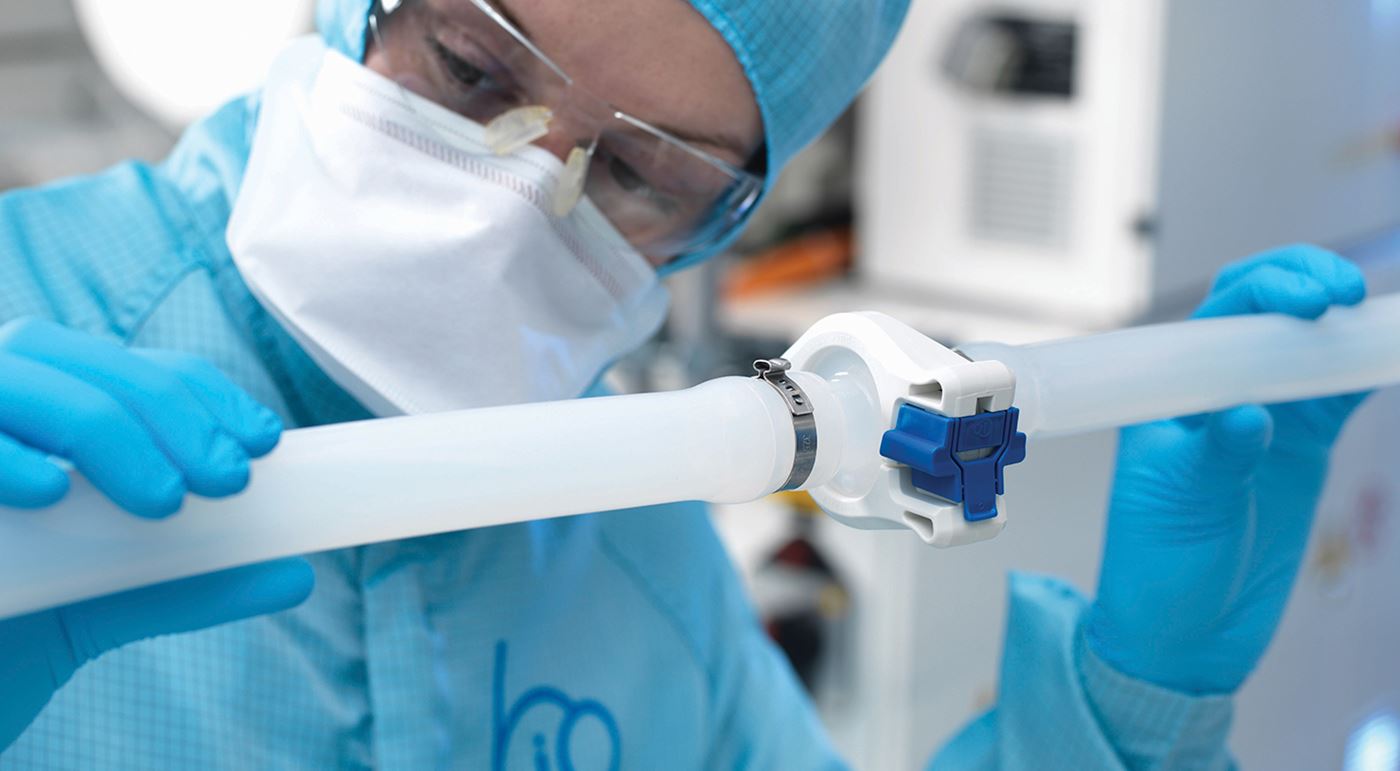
(959, 459)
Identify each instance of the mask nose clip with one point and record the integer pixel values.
(513, 129)
(516, 128)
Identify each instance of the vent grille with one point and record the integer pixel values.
(1021, 188)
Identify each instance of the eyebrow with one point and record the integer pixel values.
(713, 140)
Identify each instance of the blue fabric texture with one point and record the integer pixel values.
(343, 24)
(805, 60)
(1060, 706)
(42, 650)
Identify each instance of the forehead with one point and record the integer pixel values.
(659, 60)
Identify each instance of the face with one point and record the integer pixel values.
(658, 61)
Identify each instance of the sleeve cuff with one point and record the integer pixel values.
(1061, 706)
(1151, 726)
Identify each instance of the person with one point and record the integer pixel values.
(456, 203)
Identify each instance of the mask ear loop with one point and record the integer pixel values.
(569, 191)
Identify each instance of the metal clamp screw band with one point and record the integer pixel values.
(804, 423)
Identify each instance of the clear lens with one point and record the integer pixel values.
(666, 197)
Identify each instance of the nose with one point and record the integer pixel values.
(538, 125)
(566, 131)
(558, 143)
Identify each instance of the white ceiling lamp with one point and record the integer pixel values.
(180, 59)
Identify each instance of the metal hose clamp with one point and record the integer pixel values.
(804, 423)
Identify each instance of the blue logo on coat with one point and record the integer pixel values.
(582, 730)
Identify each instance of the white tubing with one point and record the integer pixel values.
(727, 440)
(1162, 371)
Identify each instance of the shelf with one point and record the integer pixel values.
(788, 315)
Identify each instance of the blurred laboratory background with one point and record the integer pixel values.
(1019, 170)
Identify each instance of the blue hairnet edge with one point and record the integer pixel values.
(344, 32)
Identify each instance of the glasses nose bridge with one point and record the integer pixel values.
(566, 132)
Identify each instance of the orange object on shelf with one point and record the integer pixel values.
(807, 259)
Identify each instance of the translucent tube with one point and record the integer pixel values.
(1153, 372)
(727, 440)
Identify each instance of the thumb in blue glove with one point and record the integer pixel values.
(1210, 515)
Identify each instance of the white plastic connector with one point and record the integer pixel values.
(876, 364)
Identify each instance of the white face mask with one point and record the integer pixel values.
(419, 270)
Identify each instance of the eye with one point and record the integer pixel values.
(627, 177)
(461, 70)
(634, 182)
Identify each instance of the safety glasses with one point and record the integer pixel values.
(668, 198)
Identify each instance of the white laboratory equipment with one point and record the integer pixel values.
(1089, 161)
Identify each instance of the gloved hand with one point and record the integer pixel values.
(1210, 515)
(144, 427)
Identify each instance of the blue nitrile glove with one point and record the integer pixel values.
(144, 427)
(1210, 515)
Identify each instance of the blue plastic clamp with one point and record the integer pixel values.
(958, 459)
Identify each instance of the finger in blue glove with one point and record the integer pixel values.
(144, 429)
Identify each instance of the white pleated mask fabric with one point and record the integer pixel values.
(422, 272)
